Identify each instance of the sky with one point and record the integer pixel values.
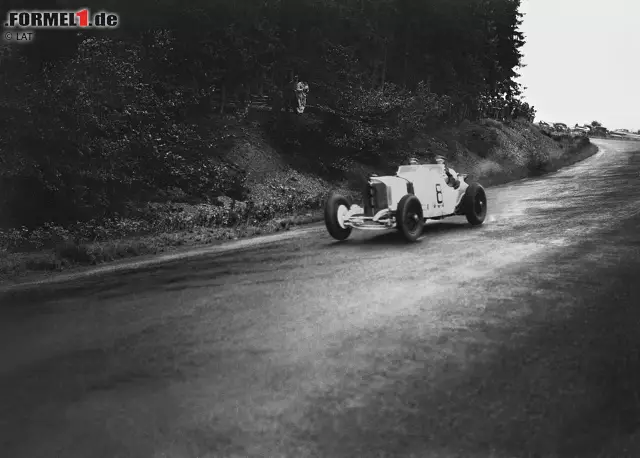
(582, 61)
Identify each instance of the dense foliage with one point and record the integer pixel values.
(92, 124)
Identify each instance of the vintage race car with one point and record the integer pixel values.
(406, 201)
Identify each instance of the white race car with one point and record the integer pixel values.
(405, 201)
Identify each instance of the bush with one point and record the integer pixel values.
(117, 134)
(580, 145)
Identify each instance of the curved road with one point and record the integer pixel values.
(516, 339)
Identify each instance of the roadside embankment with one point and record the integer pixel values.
(280, 197)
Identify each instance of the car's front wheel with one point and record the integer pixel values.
(475, 204)
(335, 210)
(409, 217)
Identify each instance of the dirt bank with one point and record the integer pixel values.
(491, 152)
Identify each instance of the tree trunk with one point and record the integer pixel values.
(223, 98)
(384, 69)
(374, 74)
(405, 70)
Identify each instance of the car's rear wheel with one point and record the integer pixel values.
(409, 217)
(335, 210)
(475, 204)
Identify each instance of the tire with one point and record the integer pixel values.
(475, 204)
(409, 218)
(332, 208)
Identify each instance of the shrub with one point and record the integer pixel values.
(117, 134)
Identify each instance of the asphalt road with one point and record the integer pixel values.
(519, 338)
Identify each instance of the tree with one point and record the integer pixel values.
(596, 124)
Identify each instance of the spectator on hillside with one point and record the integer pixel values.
(300, 91)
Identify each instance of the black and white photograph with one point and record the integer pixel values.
(319, 229)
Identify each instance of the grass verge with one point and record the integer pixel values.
(556, 163)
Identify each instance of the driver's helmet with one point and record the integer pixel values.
(440, 159)
(413, 161)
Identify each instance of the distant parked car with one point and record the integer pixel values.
(600, 131)
(579, 130)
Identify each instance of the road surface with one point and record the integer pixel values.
(519, 338)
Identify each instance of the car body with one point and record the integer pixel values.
(600, 131)
(406, 200)
(582, 131)
(618, 134)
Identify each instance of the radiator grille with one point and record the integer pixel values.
(379, 197)
(367, 198)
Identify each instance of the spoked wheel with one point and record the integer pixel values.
(475, 204)
(335, 210)
(409, 217)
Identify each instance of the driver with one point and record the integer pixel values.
(451, 177)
